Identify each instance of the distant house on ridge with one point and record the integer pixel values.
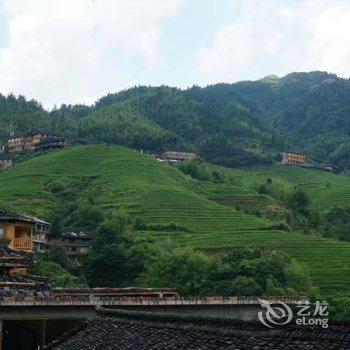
(36, 141)
(294, 158)
(173, 157)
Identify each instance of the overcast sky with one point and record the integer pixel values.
(75, 51)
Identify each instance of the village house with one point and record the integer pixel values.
(332, 168)
(32, 234)
(174, 157)
(2, 148)
(32, 140)
(50, 143)
(75, 241)
(5, 164)
(41, 235)
(26, 233)
(19, 229)
(17, 144)
(35, 137)
(13, 282)
(294, 158)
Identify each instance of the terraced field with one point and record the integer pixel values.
(324, 188)
(328, 260)
(194, 212)
(161, 194)
(158, 193)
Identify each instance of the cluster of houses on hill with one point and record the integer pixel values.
(294, 158)
(300, 159)
(29, 233)
(36, 141)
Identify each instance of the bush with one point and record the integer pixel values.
(247, 286)
(339, 309)
(197, 170)
(58, 276)
(299, 201)
(242, 272)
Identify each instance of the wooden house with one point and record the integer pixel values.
(34, 137)
(75, 240)
(5, 164)
(19, 229)
(27, 233)
(32, 140)
(50, 143)
(173, 157)
(294, 158)
(41, 235)
(17, 144)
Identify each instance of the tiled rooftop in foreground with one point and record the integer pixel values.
(142, 334)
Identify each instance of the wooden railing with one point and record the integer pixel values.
(19, 271)
(23, 243)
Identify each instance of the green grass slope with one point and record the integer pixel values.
(328, 260)
(158, 193)
(324, 188)
(161, 194)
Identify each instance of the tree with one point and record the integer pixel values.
(105, 264)
(246, 286)
(183, 269)
(299, 201)
(297, 277)
(59, 277)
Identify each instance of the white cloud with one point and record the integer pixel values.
(277, 37)
(74, 51)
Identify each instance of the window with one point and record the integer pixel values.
(1, 232)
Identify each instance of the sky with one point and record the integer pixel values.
(76, 51)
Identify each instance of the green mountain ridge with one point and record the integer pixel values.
(241, 124)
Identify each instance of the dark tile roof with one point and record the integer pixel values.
(14, 285)
(13, 258)
(6, 215)
(24, 286)
(77, 232)
(118, 333)
(45, 132)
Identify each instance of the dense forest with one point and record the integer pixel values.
(239, 124)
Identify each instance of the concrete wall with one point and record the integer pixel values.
(49, 312)
(234, 312)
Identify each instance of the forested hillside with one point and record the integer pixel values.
(239, 124)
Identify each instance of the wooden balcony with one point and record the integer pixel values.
(23, 243)
(19, 271)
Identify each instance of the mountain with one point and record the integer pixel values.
(241, 124)
(120, 177)
(213, 217)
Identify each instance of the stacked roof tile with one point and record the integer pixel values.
(120, 333)
(16, 285)
(12, 258)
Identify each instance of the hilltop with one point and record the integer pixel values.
(157, 193)
(241, 124)
(203, 214)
